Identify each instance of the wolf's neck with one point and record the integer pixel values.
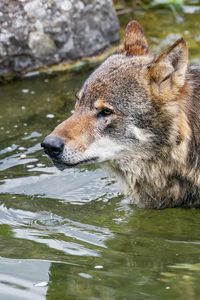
(173, 179)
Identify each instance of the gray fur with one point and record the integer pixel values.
(151, 140)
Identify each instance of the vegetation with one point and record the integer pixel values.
(178, 4)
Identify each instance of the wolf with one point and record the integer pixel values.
(139, 114)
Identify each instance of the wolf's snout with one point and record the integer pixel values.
(53, 145)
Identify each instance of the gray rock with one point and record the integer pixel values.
(35, 9)
(197, 39)
(41, 32)
(2, 50)
(169, 40)
(41, 44)
(65, 5)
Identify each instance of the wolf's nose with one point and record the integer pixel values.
(53, 145)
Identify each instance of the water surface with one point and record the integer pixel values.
(72, 235)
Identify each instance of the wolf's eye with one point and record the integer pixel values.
(105, 112)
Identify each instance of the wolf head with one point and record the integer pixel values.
(131, 106)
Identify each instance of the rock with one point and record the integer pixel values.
(35, 33)
(169, 40)
(190, 9)
(35, 9)
(41, 44)
(65, 5)
(197, 39)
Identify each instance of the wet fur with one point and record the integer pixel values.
(172, 178)
(152, 140)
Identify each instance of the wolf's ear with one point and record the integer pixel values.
(168, 70)
(135, 42)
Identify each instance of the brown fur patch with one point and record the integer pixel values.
(182, 47)
(135, 42)
(77, 130)
(168, 71)
(101, 104)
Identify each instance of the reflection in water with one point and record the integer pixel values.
(71, 235)
(138, 263)
(25, 285)
(79, 185)
(52, 231)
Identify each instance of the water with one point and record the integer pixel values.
(72, 235)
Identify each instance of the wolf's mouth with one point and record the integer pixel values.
(63, 165)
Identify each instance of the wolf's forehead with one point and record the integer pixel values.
(114, 71)
(116, 64)
(118, 76)
(113, 64)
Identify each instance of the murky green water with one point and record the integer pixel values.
(72, 235)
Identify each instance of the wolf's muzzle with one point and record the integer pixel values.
(53, 146)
